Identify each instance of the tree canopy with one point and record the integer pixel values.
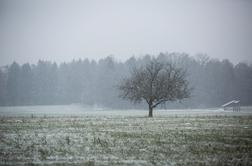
(155, 82)
(90, 82)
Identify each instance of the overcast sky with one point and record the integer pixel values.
(59, 30)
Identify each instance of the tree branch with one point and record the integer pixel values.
(159, 102)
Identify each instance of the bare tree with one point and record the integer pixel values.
(155, 83)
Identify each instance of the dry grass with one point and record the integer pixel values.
(120, 140)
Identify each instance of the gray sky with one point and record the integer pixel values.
(60, 30)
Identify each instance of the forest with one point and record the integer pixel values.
(95, 83)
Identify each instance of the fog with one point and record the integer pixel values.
(96, 83)
(125, 82)
(64, 52)
(61, 30)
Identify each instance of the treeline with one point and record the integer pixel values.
(214, 82)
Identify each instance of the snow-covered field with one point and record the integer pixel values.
(79, 110)
(74, 135)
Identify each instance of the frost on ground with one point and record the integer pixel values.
(126, 140)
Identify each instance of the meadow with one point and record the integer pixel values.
(105, 137)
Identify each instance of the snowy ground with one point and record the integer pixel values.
(79, 110)
(71, 135)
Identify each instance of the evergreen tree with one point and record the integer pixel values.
(13, 86)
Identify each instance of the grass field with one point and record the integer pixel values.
(127, 139)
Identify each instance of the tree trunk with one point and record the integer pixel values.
(150, 111)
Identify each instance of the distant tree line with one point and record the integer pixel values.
(92, 82)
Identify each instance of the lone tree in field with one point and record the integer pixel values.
(155, 83)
